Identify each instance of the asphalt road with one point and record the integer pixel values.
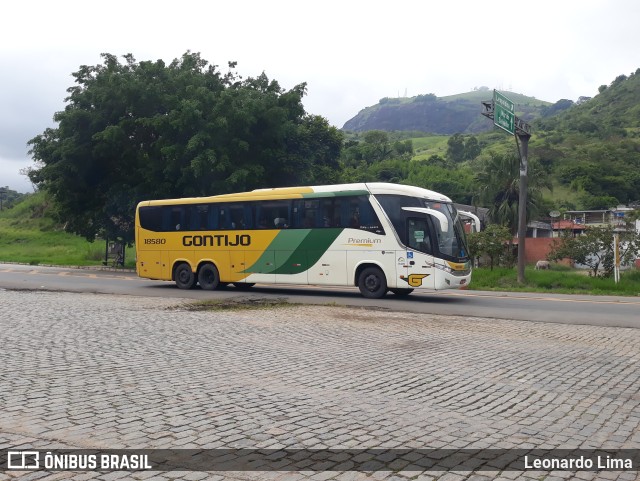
(557, 308)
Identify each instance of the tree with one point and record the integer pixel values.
(492, 242)
(455, 148)
(471, 148)
(9, 197)
(376, 146)
(140, 130)
(498, 184)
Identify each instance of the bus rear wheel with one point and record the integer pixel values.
(372, 283)
(184, 277)
(208, 277)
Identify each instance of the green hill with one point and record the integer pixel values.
(438, 115)
(592, 148)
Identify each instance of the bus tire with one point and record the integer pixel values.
(402, 292)
(372, 283)
(183, 275)
(244, 286)
(208, 277)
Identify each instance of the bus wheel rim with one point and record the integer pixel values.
(372, 282)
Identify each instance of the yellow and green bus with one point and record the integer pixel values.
(379, 237)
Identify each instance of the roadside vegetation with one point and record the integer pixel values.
(559, 280)
(29, 233)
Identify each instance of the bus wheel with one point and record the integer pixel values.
(208, 277)
(401, 292)
(183, 276)
(244, 286)
(372, 283)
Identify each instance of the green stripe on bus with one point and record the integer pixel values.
(294, 251)
(310, 250)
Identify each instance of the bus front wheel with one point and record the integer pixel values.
(184, 277)
(372, 283)
(208, 277)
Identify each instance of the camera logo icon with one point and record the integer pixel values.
(23, 459)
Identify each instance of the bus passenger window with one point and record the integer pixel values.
(176, 217)
(354, 220)
(280, 223)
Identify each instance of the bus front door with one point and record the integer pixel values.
(418, 269)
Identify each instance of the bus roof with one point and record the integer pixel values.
(311, 192)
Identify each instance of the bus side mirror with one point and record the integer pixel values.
(441, 219)
(443, 222)
(473, 217)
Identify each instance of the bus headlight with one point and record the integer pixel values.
(447, 269)
(453, 272)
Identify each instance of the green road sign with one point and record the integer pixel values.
(504, 113)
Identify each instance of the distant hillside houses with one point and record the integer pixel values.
(579, 220)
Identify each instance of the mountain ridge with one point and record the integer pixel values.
(446, 115)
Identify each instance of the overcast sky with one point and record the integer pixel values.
(351, 53)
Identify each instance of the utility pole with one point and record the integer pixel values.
(502, 111)
(522, 203)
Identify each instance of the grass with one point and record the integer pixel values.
(29, 234)
(558, 280)
(425, 147)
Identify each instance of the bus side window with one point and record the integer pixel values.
(248, 213)
(297, 214)
(418, 235)
(331, 208)
(213, 217)
(240, 215)
(274, 214)
(224, 219)
(151, 218)
(352, 208)
(199, 217)
(173, 218)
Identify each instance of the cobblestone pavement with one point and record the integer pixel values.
(106, 372)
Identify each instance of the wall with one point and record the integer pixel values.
(537, 248)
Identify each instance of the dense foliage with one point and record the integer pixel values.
(498, 181)
(593, 147)
(588, 150)
(494, 243)
(138, 130)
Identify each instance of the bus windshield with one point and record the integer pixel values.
(450, 242)
(448, 238)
